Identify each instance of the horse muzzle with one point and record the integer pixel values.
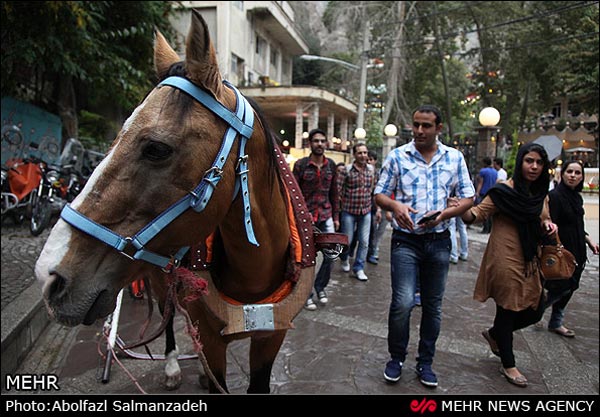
(73, 309)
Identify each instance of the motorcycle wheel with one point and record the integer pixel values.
(40, 214)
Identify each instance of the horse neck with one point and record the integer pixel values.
(255, 272)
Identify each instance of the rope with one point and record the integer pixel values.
(114, 356)
(198, 287)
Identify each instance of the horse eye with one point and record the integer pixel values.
(156, 151)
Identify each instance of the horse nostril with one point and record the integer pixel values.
(57, 285)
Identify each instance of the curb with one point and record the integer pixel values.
(23, 321)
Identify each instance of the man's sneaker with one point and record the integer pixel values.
(417, 298)
(454, 260)
(393, 370)
(346, 266)
(323, 297)
(372, 260)
(427, 376)
(360, 275)
(310, 305)
(463, 258)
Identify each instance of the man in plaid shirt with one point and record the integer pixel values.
(356, 186)
(317, 177)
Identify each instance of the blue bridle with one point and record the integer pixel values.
(241, 124)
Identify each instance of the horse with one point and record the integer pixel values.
(191, 164)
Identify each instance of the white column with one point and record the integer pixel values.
(330, 129)
(299, 126)
(313, 117)
(344, 133)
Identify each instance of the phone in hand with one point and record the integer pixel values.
(426, 219)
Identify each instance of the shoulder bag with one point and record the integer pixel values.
(556, 261)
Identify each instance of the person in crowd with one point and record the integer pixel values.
(566, 210)
(500, 171)
(317, 177)
(509, 272)
(421, 176)
(379, 220)
(485, 180)
(462, 243)
(356, 186)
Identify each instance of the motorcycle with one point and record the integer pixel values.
(20, 176)
(49, 190)
(43, 198)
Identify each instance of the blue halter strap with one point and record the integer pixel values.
(241, 124)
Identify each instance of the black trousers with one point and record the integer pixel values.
(506, 322)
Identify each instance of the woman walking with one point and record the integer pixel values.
(509, 271)
(566, 210)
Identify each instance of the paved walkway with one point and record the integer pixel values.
(338, 349)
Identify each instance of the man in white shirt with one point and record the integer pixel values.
(502, 175)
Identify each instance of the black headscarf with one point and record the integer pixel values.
(572, 232)
(523, 204)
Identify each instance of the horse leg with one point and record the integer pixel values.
(172, 370)
(263, 351)
(173, 375)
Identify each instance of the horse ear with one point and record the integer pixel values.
(201, 58)
(164, 55)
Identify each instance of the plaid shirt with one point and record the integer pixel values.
(422, 186)
(356, 188)
(318, 188)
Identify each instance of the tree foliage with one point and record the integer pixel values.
(521, 57)
(66, 56)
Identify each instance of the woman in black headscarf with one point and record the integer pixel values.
(566, 210)
(509, 271)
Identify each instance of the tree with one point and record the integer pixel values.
(518, 56)
(66, 56)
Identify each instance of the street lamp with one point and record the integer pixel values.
(389, 142)
(363, 75)
(360, 134)
(334, 60)
(489, 117)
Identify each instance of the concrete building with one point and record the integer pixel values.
(256, 42)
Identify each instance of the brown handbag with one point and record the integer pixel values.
(557, 262)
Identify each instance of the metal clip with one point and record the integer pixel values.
(218, 171)
(241, 160)
(129, 241)
(172, 265)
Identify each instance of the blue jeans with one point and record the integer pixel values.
(457, 223)
(558, 296)
(363, 225)
(377, 231)
(324, 274)
(425, 259)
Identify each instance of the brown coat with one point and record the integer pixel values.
(502, 274)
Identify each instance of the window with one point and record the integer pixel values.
(261, 46)
(274, 56)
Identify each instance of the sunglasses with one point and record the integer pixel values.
(417, 125)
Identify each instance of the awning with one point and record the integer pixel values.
(580, 149)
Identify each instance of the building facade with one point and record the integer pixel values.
(256, 42)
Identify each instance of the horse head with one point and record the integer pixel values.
(169, 145)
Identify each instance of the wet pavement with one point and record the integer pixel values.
(340, 348)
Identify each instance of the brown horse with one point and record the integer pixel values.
(169, 145)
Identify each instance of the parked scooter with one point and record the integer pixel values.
(20, 176)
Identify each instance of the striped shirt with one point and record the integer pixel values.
(422, 186)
